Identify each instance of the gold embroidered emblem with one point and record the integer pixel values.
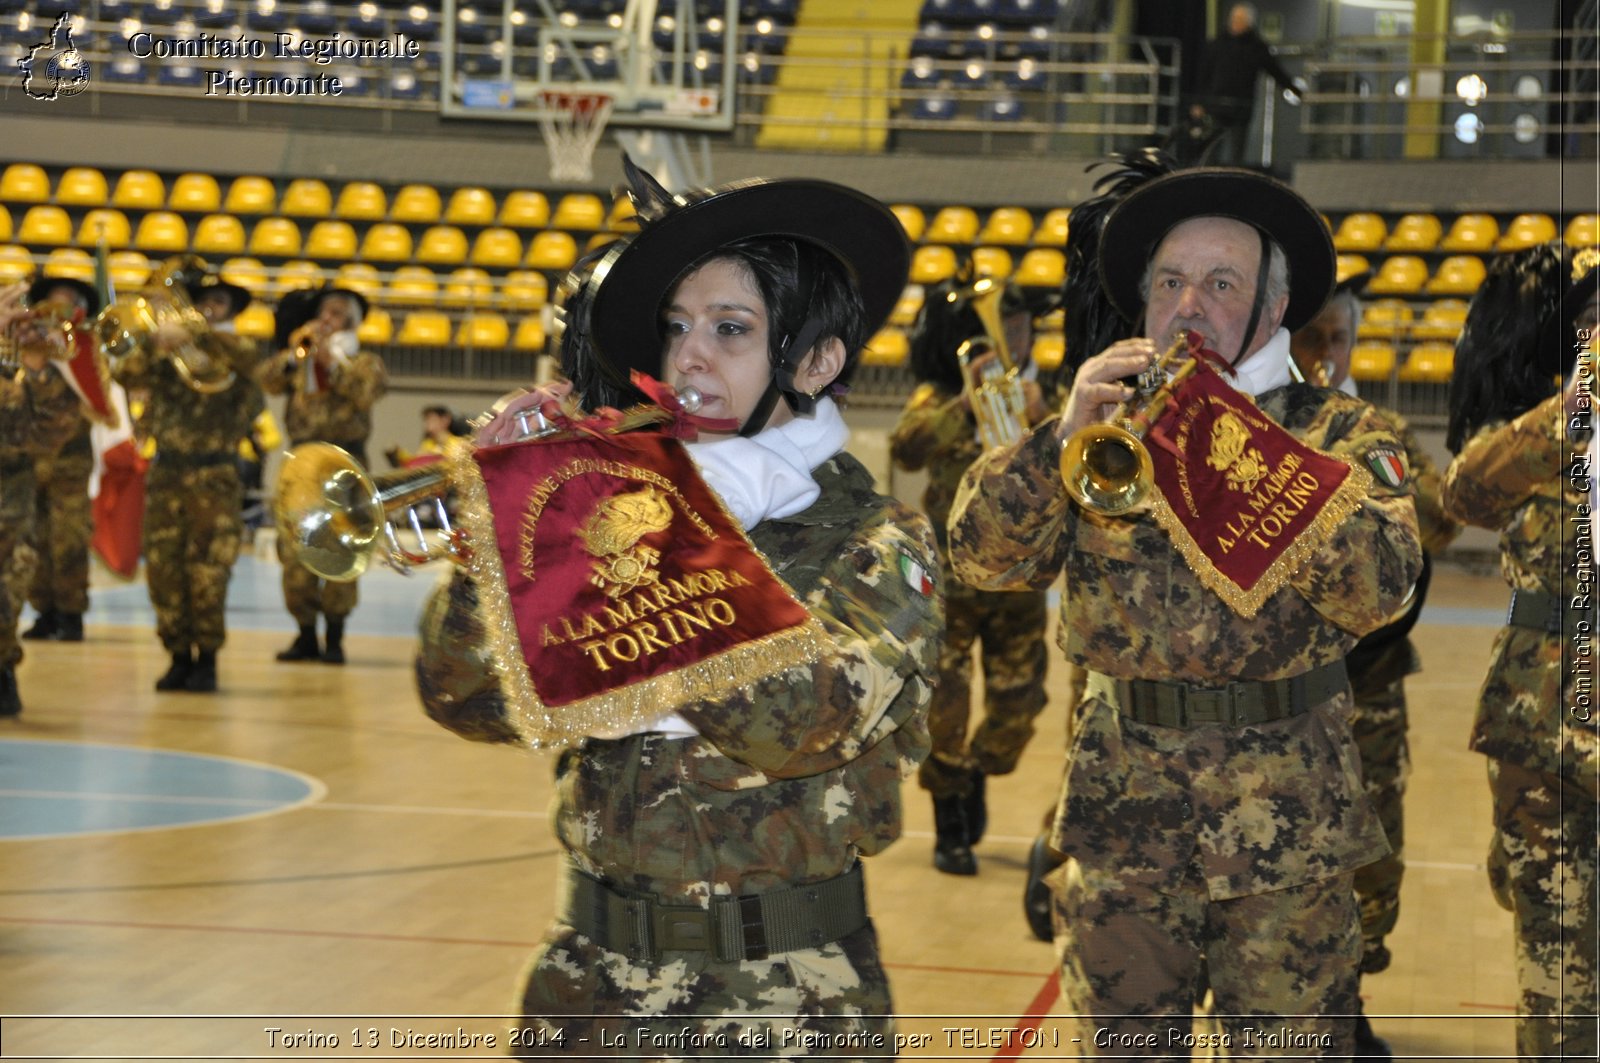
(612, 535)
(1231, 451)
(1583, 262)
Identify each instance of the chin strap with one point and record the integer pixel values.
(793, 349)
(1260, 297)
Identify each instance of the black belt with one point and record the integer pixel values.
(1536, 609)
(1160, 703)
(642, 927)
(198, 460)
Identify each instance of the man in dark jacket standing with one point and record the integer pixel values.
(1226, 87)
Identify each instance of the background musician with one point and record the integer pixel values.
(193, 498)
(332, 385)
(1211, 812)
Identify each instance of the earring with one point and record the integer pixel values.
(816, 391)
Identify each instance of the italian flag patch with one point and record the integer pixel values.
(1388, 466)
(915, 575)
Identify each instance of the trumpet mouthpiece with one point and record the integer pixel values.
(690, 399)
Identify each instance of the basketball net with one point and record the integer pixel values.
(572, 123)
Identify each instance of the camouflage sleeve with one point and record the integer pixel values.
(1010, 523)
(239, 352)
(1433, 524)
(136, 369)
(929, 424)
(15, 417)
(457, 683)
(362, 381)
(1363, 572)
(1500, 467)
(57, 410)
(873, 683)
(273, 372)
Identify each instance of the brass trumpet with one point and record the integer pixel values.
(51, 317)
(1106, 467)
(996, 396)
(129, 323)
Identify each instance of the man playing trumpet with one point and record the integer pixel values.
(193, 498)
(1211, 812)
(332, 386)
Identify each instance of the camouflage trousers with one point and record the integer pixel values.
(16, 554)
(1378, 722)
(1542, 866)
(1009, 628)
(192, 528)
(1281, 966)
(306, 594)
(582, 1000)
(62, 527)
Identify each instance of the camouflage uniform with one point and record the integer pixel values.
(193, 504)
(935, 433)
(341, 414)
(788, 783)
(1543, 758)
(1228, 849)
(1378, 667)
(63, 525)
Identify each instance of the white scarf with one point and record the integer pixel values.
(1264, 370)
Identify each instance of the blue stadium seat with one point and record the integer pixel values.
(934, 109)
(112, 10)
(1036, 45)
(124, 70)
(179, 75)
(1027, 12)
(404, 85)
(265, 20)
(921, 74)
(778, 9)
(971, 76)
(366, 26)
(1025, 76)
(753, 70)
(316, 20)
(355, 82)
(766, 37)
(163, 14)
(425, 28)
(955, 12)
(935, 40)
(1004, 109)
(472, 26)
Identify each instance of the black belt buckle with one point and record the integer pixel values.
(752, 929)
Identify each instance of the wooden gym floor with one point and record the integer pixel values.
(354, 867)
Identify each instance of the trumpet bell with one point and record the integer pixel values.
(328, 511)
(1106, 469)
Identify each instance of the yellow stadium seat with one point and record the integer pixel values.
(1583, 230)
(24, 182)
(299, 273)
(1457, 275)
(579, 212)
(359, 277)
(219, 234)
(71, 262)
(442, 245)
(952, 225)
(1010, 226)
(1054, 321)
(386, 242)
(599, 240)
(161, 230)
(413, 286)
(250, 195)
(991, 262)
(1526, 230)
(932, 263)
(1441, 321)
(1052, 230)
(906, 308)
(5, 224)
(525, 209)
(140, 190)
(419, 204)
(525, 290)
(623, 217)
(425, 327)
(255, 321)
(376, 327)
(45, 225)
(1471, 232)
(530, 334)
(1414, 232)
(1048, 350)
(306, 197)
(497, 247)
(1372, 360)
(1429, 363)
(331, 240)
(911, 220)
(276, 237)
(889, 347)
(1362, 231)
(196, 193)
(469, 287)
(1041, 267)
(15, 263)
(246, 272)
(483, 330)
(1399, 275)
(361, 201)
(552, 250)
(106, 223)
(1349, 264)
(1385, 319)
(82, 186)
(129, 269)
(470, 206)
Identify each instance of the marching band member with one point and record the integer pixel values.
(193, 498)
(1211, 811)
(762, 802)
(332, 385)
(1522, 466)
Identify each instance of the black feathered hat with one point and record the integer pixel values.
(85, 291)
(1585, 282)
(301, 305)
(237, 295)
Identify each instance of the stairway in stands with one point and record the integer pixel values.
(834, 90)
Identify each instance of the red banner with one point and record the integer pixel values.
(617, 589)
(90, 377)
(1245, 502)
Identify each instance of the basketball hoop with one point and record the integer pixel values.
(572, 123)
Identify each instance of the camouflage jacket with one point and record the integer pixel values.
(39, 413)
(182, 420)
(1513, 477)
(935, 433)
(1268, 806)
(339, 413)
(789, 780)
